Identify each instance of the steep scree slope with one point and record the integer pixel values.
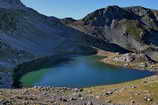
(25, 35)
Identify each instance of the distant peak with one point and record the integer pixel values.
(68, 20)
(141, 7)
(113, 6)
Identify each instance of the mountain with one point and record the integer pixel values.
(132, 28)
(11, 4)
(26, 35)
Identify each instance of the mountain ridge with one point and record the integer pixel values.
(26, 35)
(133, 28)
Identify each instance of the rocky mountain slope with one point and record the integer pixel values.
(132, 28)
(25, 35)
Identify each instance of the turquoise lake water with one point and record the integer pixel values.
(84, 71)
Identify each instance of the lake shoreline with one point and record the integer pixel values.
(45, 62)
(89, 67)
(120, 60)
(101, 94)
(24, 68)
(10, 78)
(116, 94)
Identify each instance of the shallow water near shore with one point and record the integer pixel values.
(80, 72)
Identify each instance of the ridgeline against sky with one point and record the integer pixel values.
(79, 8)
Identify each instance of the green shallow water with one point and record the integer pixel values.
(83, 71)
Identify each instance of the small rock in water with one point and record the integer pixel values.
(37, 87)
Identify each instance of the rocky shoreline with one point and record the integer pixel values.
(129, 60)
(139, 92)
(6, 79)
(49, 96)
(26, 34)
(10, 78)
(59, 96)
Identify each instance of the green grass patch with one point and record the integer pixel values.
(134, 28)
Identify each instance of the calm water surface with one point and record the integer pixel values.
(81, 72)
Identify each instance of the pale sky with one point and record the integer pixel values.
(79, 8)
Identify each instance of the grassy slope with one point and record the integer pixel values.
(125, 94)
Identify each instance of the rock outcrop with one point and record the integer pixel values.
(132, 28)
(132, 57)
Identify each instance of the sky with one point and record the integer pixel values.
(79, 8)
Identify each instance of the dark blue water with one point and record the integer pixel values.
(81, 72)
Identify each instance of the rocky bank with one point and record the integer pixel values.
(49, 96)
